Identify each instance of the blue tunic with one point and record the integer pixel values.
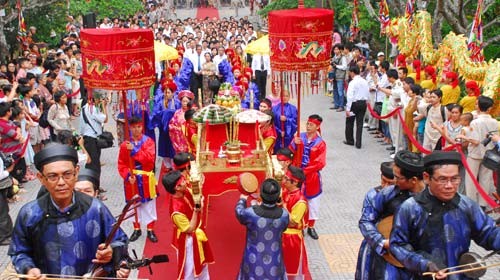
(62, 243)
(160, 117)
(263, 257)
(378, 204)
(426, 229)
(245, 103)
(290, 112)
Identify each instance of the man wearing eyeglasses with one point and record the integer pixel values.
(433, 229)
(63, 232)
(379, 206)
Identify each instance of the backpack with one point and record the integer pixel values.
(43, 121)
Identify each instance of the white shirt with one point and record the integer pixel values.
(194, 60)
(256, 63)
(358, 89)
(342, 65)
(397, 97)
(383, 82)
(217, 60)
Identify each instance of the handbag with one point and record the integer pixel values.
(44, 121)
(6, 183)
(105, 139)
(491, 159)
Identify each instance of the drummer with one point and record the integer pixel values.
(382, 204)
(433, 229)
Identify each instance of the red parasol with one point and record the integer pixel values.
(118, 59)
(300, 40)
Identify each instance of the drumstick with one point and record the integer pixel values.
(461, 271)
(459, 266)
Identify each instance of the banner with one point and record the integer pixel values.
(118, 59)
(475, 42)
(21, 33)
(300, 39)
(410, 10)
(383, 16)
(354, 28)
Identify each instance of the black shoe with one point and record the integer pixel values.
(347, 143)
(358, 146)
(135, 235)
(390, 148)
(152, 236)
(312, 233)
(334, 108)
(5, 242)
(372, 129)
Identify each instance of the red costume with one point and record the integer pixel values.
(181, 211)
(313, 161)
(294, 250)
(269, 136)
(143, 157)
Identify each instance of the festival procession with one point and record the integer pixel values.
(249, 139)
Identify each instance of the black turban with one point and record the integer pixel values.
(55, 152)
(442, 157)
(409, 161)
(90, 175)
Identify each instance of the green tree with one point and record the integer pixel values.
(106, 8)
(50, 15)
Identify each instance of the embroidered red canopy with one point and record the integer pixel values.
(118, 59)
(300, 39)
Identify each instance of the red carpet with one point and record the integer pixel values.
(202, 13)
(226, 238)
(225, 234)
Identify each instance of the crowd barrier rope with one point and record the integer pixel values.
(423, 150)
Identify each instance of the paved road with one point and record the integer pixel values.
(348, 175)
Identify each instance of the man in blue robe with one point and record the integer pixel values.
(380, 205)
(265, 223)
(287, 130)
(434, 228)
(63, 232)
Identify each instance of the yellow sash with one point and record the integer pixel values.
(293, 231)
(200, 238)
(151, 180)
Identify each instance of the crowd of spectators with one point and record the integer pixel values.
(435, 112)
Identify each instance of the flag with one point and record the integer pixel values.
(475, 42)
(21, 34)
(354, 28)
(409, 10)
(383, 15)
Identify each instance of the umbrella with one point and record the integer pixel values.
(260, 46)
(165, 52)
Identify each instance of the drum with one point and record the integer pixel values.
(385, 227)
(248, 183)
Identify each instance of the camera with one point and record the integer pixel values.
(74, 140)
(487, 140)
(7, 159)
